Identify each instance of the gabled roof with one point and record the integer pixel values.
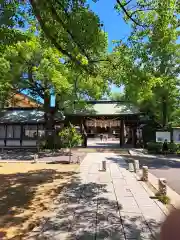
(100, 108)
(23, 100)
(25, 115)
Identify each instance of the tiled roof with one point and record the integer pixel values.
(25, 116)
(107, 108)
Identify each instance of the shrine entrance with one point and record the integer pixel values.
(97, 126)
(117, 121)
(112, 130)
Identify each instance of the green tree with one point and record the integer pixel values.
(36, 68)
(69, 24)
(70, 138)
(152, 54)
(39, 68)
(115, 96)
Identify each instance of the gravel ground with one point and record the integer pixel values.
(44, 156)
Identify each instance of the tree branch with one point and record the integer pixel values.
(128, 15)
(141, 10)
(53, 39)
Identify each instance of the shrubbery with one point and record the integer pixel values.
(70, 137)
(156, 147)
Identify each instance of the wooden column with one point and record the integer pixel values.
(122, 133)
(5, 135)
(134, 136)
(21, 136)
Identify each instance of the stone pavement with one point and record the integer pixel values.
(97, 205)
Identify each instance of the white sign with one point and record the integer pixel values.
(162, 136)
(176, 135)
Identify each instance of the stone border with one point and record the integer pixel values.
(153, 180)
(174, 197)
(150, 192)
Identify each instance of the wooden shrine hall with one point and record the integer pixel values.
(25, 126)
(114, 118)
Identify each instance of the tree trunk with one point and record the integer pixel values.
(164, 112)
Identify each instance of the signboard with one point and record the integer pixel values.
(176, 135)
(162, 136)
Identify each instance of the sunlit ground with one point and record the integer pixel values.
(26, 193)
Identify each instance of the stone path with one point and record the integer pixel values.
(97, 205)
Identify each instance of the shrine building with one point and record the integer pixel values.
(114, 118)
(24, 126)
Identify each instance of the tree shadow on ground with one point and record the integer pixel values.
(119, 161)
(17, 191)
(25, 155)
(82, 213)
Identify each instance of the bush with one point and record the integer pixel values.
(173, 147)
(163, 198)
(154, 147)
(70, 137)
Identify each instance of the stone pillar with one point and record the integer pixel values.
(145, 173)
(136, 165)
(103, 165)
(121, 132)
(162, 187)
(131, 167)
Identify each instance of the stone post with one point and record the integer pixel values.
(35, 157)
(78, 159)
(162, 186)
(131, 167)
(145, 173)
(103, 165)
(136, 165)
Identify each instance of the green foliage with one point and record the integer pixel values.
(148, 133)
(73, 29)
(35, 66)
(117, 96)
(148, 64)
(70, 137)
(69, 25)
(154, 147)
(173, 147)
(163, 198)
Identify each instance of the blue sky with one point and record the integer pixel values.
(113, 22)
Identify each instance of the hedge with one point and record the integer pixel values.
(156, 147)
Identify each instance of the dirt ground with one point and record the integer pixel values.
(26, 192)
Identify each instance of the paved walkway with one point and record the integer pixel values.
(97, 143)
(97, 205)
